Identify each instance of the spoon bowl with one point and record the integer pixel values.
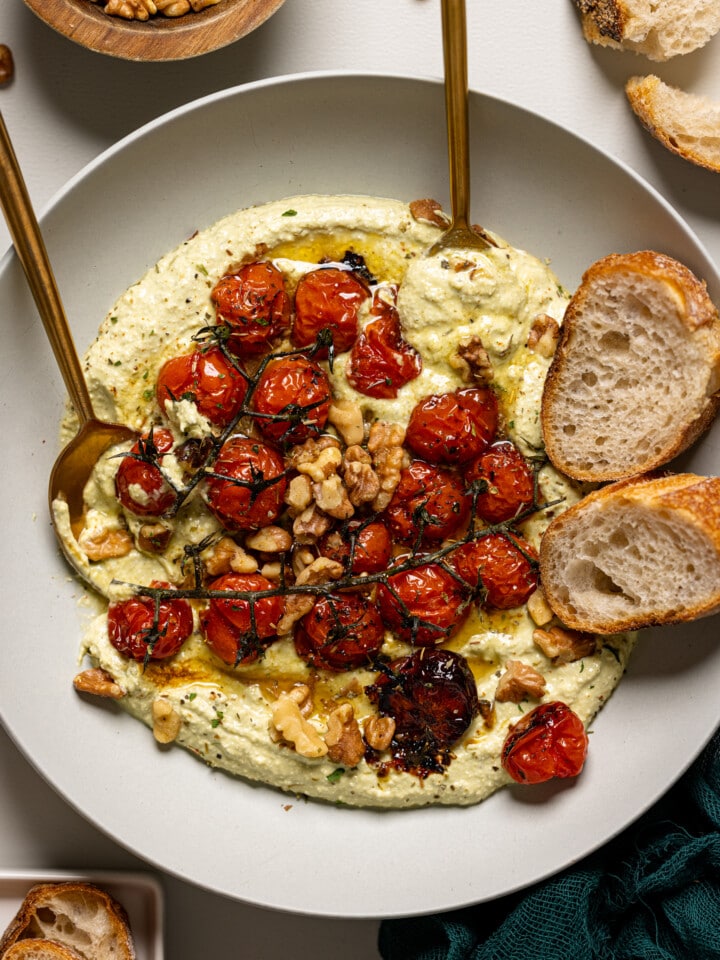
(460, 234)
(73, 467)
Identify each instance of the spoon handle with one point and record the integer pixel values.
(454, 33)
(30, 248)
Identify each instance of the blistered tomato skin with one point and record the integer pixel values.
(381, 361)
(248, 484)
(297, 391)
(369, 543)
(255, 305)
(510, 482)
(341, 632)
(130, 626)
(232, 631)
(548, 742)
(206, 378)
(433, 699)
(328, 299)
(139, 485)
(453, 428)
(424, 605)
(428, 499)
(501, 569)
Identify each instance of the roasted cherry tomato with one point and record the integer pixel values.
(236, 629)
(298, 392)
(499, 568)
(139, 485)
(510, 482)
(328, 299)
(433, 699)
(130, 626)
(549, 741)
(381, 361)
(453, 428)
(341, 632)
(427, 498)
(207, 379)
(370, 543)
(254, 304)
(424, 605)
(248, 485)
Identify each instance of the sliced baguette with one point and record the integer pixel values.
(38, 949)
(635, 553)
(76, 914)
(636, 375)
(685, 123)
(657, 30)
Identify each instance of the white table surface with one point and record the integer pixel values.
(66, 105)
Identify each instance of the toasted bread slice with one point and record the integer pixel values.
(78, 915)
(685, 123)
(635, 553)
(657, 30)
(636, 375)
(38, 949)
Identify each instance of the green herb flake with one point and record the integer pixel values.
(113, 319)
(191, 696)
(292, 213)
(217, 720)
(201, 268)
(335, 775)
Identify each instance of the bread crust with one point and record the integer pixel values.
(39, 949)
(603, 20)
(697, 314)
(44, 895)
(691, 499)
(646, 96)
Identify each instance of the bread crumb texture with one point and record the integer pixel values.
(657, 30)
(685, 123)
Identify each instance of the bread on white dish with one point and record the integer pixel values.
(657, 30)
(78, 915)
(38, 949)
(685, 123)
(635, 553)
(636, 375)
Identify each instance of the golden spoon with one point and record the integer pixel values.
(459, 234)
(73, 467)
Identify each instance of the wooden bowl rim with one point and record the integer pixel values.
(158, 38)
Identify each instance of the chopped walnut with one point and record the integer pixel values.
(379, 732)
(539, 608)
(154, 537)
(361, 481)
(429, 211)
(296, 606)
(287, 720)
(473, 362)
(299, 495)
(543, 336)
(346, 416)
(105, 544)
(321, 570)
(225, 556)
(520, 680)
(98, 682)
(332, 498)
(269, 540)
(173, 8)
(566, 646)
(131, 9)
(166, 721)
(7, 64)
(310, 525)
(344, 743)
(305, 455)
(385, 444)
(272, 571)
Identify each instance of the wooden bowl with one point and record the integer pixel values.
(159, 38)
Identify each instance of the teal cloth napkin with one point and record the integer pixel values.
(653, 893)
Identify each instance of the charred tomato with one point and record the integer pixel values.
(293, 396)
(428, 500)
(206, 378)
(453, 428)
(253, 302)
(238, 630)
(134, 632)
(424, 605)
(433, 699)
(381, 361)
(246, 488)
(369, 543)
(342, 631)
(328, 299)
(139, 485)
(549, 741)
(510, 482)
(502, 569)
